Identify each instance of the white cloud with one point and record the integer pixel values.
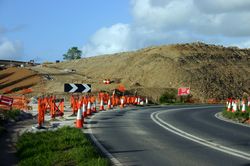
(169, 15)
(109, 40)
(175, 21)
(10, 50)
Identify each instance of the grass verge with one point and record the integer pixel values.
(237, 116)
(65, 146)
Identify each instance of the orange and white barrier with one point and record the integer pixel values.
(74, 104)
(41, 112)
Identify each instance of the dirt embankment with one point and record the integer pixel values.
(211, 71)
(15, 79)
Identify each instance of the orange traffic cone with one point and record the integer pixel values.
(109, 104)
(94, 107)
(84, 112)
(89, 109)
(79, 119)
(243, 109)
(234, 106)
(122, 103)
(229, 106)
(135, 102)
(101, 105)
(138, 101)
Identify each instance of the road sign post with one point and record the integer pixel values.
(77, 88)
(183, 91)
(7, 101)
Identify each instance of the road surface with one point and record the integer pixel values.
(171, 135)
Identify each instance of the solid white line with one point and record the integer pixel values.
(155, 117)
(113, 160)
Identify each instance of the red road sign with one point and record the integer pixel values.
(4, 100)
(183, 91)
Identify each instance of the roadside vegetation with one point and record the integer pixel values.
(65, 146)
(238, 115)
(170, 97)
(6, 115)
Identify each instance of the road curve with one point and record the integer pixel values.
(133, 137)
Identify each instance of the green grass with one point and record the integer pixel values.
(65, 146)
(238, 115)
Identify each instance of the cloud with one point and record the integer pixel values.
(109, 40)
(10, 50)
(175, 21)
(223, 6)
(166, 15)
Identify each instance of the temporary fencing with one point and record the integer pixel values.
(51, 104)
(19, 102)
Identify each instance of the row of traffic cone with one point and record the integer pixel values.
(235, 105)
(86, 111)
(82, 112)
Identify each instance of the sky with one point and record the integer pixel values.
(43, 30)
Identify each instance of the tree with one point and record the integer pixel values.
(73, 53)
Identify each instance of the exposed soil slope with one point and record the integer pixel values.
(14, 79)
(211, 71)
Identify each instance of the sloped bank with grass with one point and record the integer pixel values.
(65, 146)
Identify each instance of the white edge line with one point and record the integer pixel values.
(155, 117)
(220, 117)
(113, 160)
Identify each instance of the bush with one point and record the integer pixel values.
(168, 96)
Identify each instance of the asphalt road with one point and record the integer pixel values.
(134, 137)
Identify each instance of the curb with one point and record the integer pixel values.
(219, 116)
